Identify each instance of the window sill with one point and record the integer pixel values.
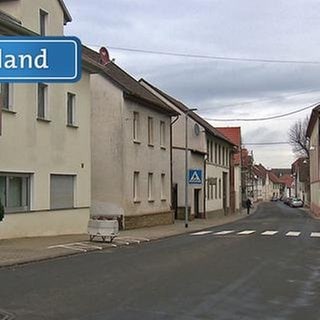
(163, 147)
(151, 200)
(8, 111)
(136, 201)
(151, 145)
(43, 120)
(163, 200)
(136, 141)
(74, 126)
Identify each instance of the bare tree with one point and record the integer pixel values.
(298, 138)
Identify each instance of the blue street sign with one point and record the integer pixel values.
(40, 59)
(195, 176)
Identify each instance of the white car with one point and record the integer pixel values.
(296, 202)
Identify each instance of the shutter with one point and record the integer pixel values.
(61, 191)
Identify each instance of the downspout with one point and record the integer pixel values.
(204, 184)
(171, 161)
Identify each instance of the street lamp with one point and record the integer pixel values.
(186, 165)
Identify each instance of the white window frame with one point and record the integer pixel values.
(150, 132)
(135, 124)
(27, 190)
(162, 134)
(163, 194)
(136, 186)
(43, 15)
(45, 88)
(73, 100)
(150, 187)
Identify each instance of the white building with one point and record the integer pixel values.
(130, 149)
(45, 140)
(208, 151)
(313, 133)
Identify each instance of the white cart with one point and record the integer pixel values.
(103, 228)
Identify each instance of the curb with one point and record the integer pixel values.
(242, 215)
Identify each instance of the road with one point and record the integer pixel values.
(220, 274)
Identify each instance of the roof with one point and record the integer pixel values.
(273, 177)
(258, 172)
(181, 106)
(313, 119)
(286, 179)
(131, 87)
(281, 171)
(11, 26)
(232, 133)
(66, 13)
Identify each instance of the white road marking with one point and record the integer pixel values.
(220, 233)
(246, 232)
(315, 234)
(77, 246)
(269, 233)
(293, 234)
(200, 233)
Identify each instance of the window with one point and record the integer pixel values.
(71, 100)
(211, 151)
(208, 189)
(150, 186)
(211, 193)
(135, 126)
(227, 157)
(223, 156)
(150, 131)
(215, 152)
(136, 186)
(14, 192)
(219, 188)
(61, 191)
(162, 133)
(42, 100)
(216, 191)
(43, 22)
(4, 95)
(163, 186)
(219, 154)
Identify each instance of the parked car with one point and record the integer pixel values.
(287, 201)
(296, 203)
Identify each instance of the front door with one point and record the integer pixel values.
(196, 203)
(175, 200)
(224, 191)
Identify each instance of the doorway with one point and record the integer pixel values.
(224, 191)
(174, 198)
(197, 203)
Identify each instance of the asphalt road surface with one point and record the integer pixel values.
(266, 266)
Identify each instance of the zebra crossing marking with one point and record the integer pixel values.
(246, 232)
(269, 233)
(200, 233)
(315, 234)
(220, 233)
(293, 234)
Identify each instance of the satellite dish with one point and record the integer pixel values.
(104, 56)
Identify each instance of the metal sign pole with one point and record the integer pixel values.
(186, 168)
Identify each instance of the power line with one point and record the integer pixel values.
(210, 57)
(265, 143)
(276, 98)
(266, 118)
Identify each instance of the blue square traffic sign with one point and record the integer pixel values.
(195, 176)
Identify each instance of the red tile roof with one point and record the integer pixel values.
(233, 133)
(287, 180)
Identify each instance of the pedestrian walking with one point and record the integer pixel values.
(248, 205)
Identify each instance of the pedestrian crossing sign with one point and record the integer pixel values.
(195, 176)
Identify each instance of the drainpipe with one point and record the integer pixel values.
(204, 184)
(171, 161)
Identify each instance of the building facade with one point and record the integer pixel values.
(313, 133)
(300, 172)
(45, 138)
(130, 135)
(208, 151)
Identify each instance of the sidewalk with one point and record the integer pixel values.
(26, 250)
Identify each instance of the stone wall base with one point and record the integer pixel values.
(215, 214)
(148, 220)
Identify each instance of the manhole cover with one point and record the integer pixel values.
(5, 315)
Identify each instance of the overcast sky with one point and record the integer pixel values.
(264, 29)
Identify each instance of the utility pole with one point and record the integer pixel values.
(186, 167)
